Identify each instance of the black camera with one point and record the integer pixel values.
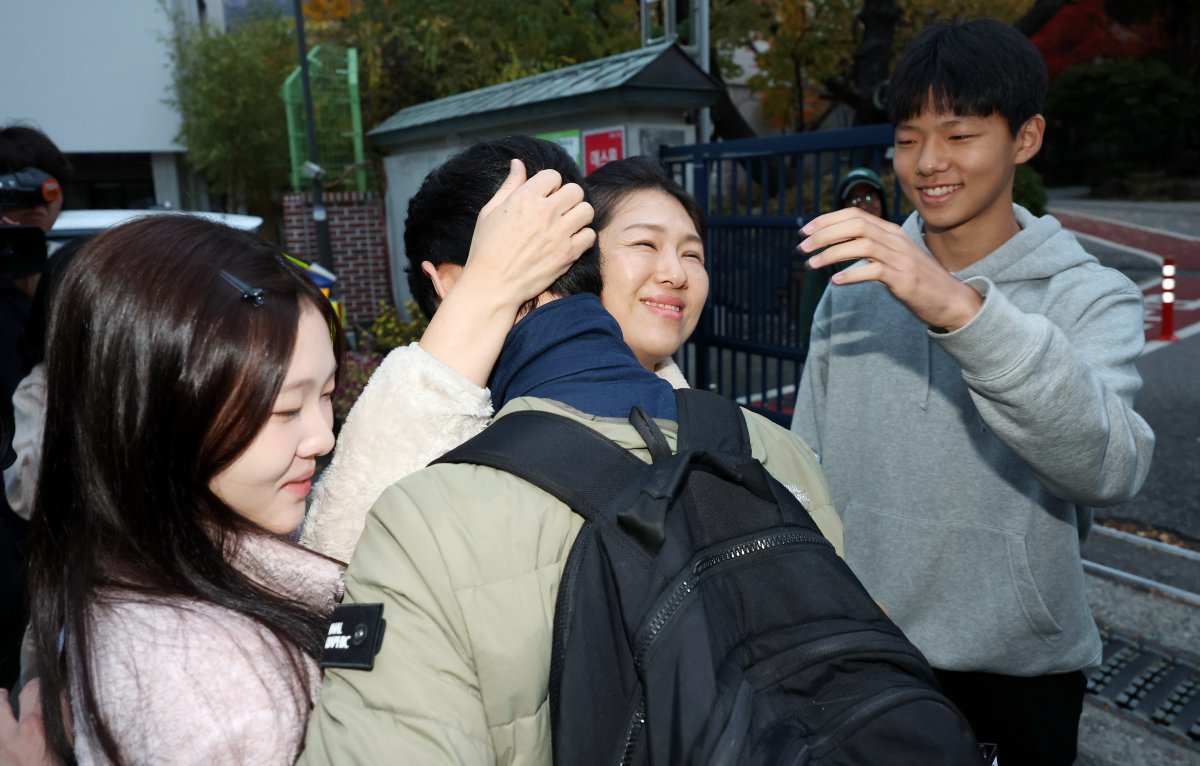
(22, 251)
(28, 187)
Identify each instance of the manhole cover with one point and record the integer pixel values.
(1151, 686)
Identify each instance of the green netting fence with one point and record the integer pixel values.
(333, 77)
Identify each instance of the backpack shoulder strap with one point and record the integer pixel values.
(711, 422)
(574, 463)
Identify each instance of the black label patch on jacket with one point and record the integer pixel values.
(354, 637)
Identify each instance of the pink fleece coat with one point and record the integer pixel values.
(182, 682)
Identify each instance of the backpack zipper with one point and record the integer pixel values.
(681, 592)
(634, 733)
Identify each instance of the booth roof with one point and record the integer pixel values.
(661, 75)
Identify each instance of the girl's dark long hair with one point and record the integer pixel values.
(159, 375)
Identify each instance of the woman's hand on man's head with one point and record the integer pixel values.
(527, 236)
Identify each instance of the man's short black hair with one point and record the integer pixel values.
(974, 69)
(441, 215)
(23, 147)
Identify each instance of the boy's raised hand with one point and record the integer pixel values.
(937, 297)
(529, 234)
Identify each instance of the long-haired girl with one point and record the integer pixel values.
(189, 378)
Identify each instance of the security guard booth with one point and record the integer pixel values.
(621, 106)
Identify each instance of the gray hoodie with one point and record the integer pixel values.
(963, 463)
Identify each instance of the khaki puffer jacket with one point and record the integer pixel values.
(466, 561)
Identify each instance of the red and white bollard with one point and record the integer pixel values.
(1167, 327)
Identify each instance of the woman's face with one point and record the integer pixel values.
(268, 483)
(655, 284)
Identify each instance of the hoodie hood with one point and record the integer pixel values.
(1057, 250)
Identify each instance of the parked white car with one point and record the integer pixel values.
(79, 223)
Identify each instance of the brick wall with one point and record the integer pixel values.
(358, 237)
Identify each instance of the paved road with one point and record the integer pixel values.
(1184, 249)
(1135, 237)
(1170, 395)
(1181, 218)
(1170, 403)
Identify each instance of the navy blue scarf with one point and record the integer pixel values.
(571, 350)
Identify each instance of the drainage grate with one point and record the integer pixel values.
(1151, 686)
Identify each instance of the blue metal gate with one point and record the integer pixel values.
(757, 193)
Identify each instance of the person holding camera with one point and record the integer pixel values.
(31, 169)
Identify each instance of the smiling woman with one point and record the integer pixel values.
(651, 256)
(269, 482)
(189, 369)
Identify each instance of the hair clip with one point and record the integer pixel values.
(253, 294)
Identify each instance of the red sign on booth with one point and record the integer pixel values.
(601, 147)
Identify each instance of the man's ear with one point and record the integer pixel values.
(1029, 138)
(443, 276)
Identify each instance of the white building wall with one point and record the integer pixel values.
(91, 75)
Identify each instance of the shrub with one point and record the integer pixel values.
(224, 86)
(1028, 190)
(389, 330)
(1118, 114)
(356, 370)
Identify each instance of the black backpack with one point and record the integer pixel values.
(702, 618)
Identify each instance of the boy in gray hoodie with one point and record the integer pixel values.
(969, 389)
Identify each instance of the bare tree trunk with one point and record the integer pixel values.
(728, 122)
(873, 59)
(1183, 24)
(798, 94)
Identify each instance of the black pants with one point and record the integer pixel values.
(1033, 721)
